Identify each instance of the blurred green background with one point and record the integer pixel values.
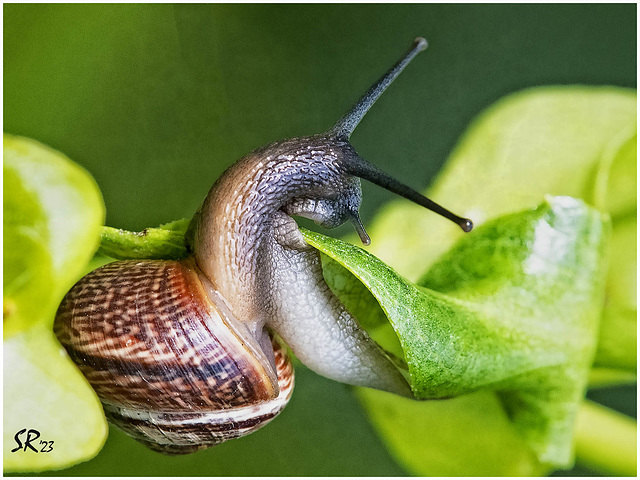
(155, 101)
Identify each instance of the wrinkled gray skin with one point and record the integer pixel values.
(250, 249)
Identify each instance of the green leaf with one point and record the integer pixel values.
(577, 141)
(546, 140)
(622, 279)
(465, 436)
(615, 191)
(361, 303)
(618, 340)
(615, 185)
(53, 213)
(513, 307)
(44, 391)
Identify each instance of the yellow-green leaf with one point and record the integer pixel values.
(541, 141)
(44, 392)
(53, 212)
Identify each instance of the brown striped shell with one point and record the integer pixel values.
(171, 367)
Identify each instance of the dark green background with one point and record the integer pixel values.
(157, 100)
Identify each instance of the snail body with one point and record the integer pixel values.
(186, 354)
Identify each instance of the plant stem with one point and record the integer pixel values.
(606, 440)
(164, 242)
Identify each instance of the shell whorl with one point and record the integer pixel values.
(183, 432)
(165, 361)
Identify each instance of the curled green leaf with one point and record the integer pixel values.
(513, 308)
(562, 140)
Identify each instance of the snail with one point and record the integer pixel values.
(187, 354)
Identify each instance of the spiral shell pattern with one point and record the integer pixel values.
(167, 368)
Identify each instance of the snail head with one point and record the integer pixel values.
(334, 198)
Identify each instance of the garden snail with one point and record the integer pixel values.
(182, 353)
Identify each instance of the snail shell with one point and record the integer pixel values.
(171, 367)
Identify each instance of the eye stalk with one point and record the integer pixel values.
(350, 120)
(362, 233)
(359, 167)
